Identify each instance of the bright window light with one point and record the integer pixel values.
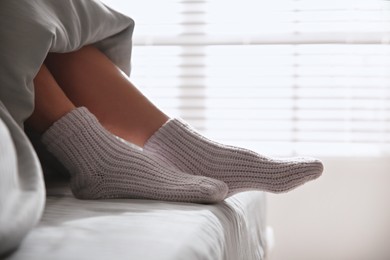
(282, 77)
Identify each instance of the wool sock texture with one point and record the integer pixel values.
(183, 147)
(103, 167)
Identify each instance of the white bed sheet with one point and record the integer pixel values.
(145, 229)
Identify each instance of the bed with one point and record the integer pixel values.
(145, 229)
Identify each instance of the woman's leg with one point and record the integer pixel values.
(100, 165)
(50, 102)
(90, 79)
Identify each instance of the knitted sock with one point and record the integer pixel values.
(180, 145)
(102, 166)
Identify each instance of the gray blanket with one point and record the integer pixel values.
(29, 29)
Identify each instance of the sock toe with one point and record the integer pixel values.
(214, 190)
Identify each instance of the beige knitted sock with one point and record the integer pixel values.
(181, 146)
(102, 166)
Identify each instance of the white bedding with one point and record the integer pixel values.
(143, 229)
(29, 30)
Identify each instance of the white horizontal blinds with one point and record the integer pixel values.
(205, 22)
(302, 98)
(283, 77)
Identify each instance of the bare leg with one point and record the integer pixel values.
(90, 79)
(100, 165)
(50, 102)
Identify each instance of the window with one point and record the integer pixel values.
(280, 77)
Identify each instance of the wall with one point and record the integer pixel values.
(344, 215)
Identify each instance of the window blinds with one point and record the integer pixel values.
(282, 77)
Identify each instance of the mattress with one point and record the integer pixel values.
(146, 229)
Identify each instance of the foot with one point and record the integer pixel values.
(184, 148)
(102, 166)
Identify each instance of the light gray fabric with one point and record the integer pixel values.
(22, 193)
(32, 28)
(29, 29)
